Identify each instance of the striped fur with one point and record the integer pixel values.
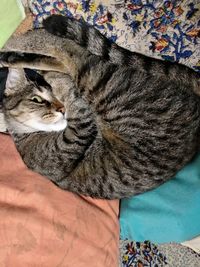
(133, 122)
(94, 42)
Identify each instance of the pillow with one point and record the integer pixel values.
(42, 225)
(11, 14)
(168, 213)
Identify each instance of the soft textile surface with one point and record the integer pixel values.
(164, 29)
(44, 226)
(132, 25)
(148, 254)
(168, 213)
(13, 10)
(193, 244)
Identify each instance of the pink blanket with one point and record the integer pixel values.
(44, 226)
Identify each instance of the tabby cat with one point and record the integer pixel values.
(118, 124)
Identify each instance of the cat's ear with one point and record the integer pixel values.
(16, 79)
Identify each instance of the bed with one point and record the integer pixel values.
(44, 226)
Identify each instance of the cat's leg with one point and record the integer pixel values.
(81, 128)
(41, 50)
(27, 60)
(62, 86)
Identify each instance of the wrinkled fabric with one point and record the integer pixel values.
(152, 255)
(168, 30)
(42, 225)
(169, 213)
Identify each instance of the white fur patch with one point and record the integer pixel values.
(32, 125)
(52, 127)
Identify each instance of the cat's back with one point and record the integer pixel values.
(137, 99)
(159, 118)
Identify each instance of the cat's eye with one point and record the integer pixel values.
(37, 99)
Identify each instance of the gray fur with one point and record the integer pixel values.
(133, 122)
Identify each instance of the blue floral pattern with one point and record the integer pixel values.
(138, 254)
(169, 30)
(147, 254)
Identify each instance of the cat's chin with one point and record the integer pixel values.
(52, 127)
(33, 126)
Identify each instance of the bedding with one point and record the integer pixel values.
(12, 9)
(42, 225)
(88, 232)
(168, 213)
(140, 254)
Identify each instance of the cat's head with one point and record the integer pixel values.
(31, 108)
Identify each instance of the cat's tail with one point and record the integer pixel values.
(80, 32)
(97, 44)
(88, 37)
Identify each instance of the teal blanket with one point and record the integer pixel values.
(168, 213)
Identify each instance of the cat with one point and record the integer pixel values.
(118, 124)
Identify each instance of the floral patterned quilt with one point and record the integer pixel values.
(147, 254)
(169, 30)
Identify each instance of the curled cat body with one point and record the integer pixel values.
(116, 125)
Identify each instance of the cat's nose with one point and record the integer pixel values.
(61, 110)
